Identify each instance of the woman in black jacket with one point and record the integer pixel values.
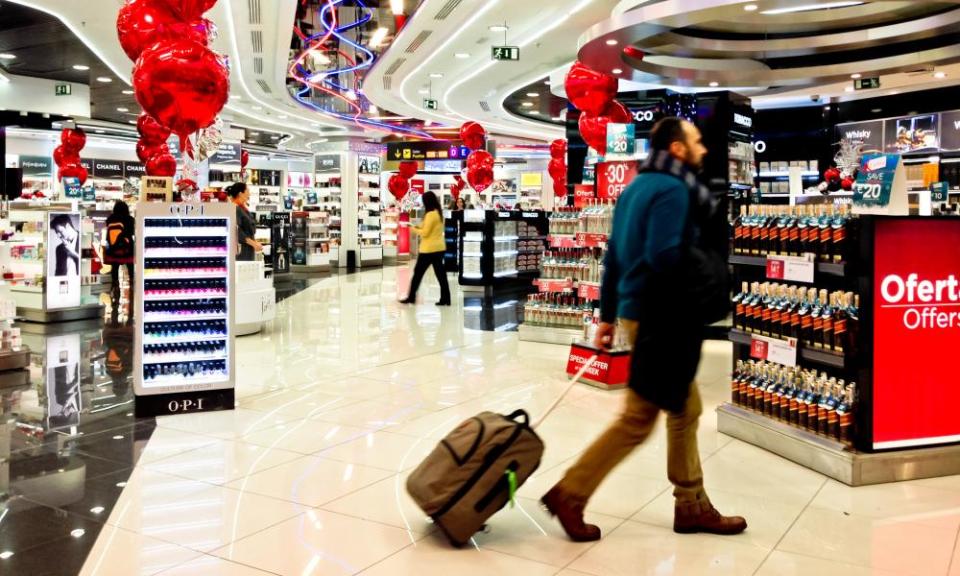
(246, 225)
(119, 248)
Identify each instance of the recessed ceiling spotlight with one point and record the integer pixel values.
(127, 92)
(714, 84)
(855, 76)
(826, 107)
(254, 133)
(378, 35)
(436, 75)
(939, 74)
(535, 112)
(235, 96)
(122, 109)
(461, 55)
(548, 83)
(750, 7)
(6, 56)
(100, 131)
(533, 94)
(131, 121)
(283, 117)
(274, 137)
(848, 89)
(104, 79)
(499, 28)
(80, 67)
(617, 71)
(612, 42)
(423, 91)
(97, 509)
(5, 554)
(810, 8)
(527, 104)
(877, 110)
(79, 532)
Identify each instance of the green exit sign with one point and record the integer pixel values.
(63, 90)
(866, 83)
(505, 52)
(430, 104)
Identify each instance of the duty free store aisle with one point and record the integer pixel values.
(349, 390)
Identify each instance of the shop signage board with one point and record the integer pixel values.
(36, 165)
(89, 194)
(783, 352)
(87, 163)
(950, 130)
(792, 268)
(881, 186)
(609, 370)
(939, 191)
(134, 170)
(867, 135)
(582, 195)
(912, 134)
(108, 169)
(591, 240)
(614, 177)
(326, 163)
(621, 141)
(63, 260)
(300, 235)
(548, 285)
(916, 316)
(505, 53)
(418, 186)
(588, 290)
(156, 189)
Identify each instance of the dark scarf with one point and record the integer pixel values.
(664, 162)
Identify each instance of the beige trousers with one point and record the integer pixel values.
(629, 431)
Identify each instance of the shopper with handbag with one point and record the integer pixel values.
(663, 281)
(432, 248)
(118, 250)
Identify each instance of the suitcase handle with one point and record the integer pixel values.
(517, 415)
(570, 385)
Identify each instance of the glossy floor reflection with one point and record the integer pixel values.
(346, 392)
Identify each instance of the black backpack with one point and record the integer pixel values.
(118, 241)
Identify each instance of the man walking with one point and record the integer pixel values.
(655, 221)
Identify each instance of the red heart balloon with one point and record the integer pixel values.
(188, 9)
(847, 184)
(593, 129)
(560, 188)
(590, 91)
(147, 151)
(142, 23)
(480, 160)
(73, 140)
(831, 175)
(558, 148)
(408, 168)
(162, 165)
(73, 170)
(62, 157)
(244, 159)
(473, 135)
(182, 84)
(151, 132)
(557, 168)
(398, 186)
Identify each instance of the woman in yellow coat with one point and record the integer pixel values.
(432, 248)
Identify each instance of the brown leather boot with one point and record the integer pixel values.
(701, 516)
(570, 514)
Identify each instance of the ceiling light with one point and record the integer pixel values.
(396, 6)
(254, 133)
(533, 94)
(939, 74)
(527, 104)
(127, 92)
(274, 137)
(6, 56)
(97, 509)
(499, 28)
(258, 108)
(235, 96)
(535, 112)
(714, 84)
(283, 117)
(131, 121)
(810, 8)
(612, 42)
(78, 532)
(617, 71)
(750, 7)
(436, 75)
(461, 55)
(5, 554)
(877, 110)
(848, 89)
(104, 79)
(100, 131)
(122, 109)
(80, 67)
(548, 83)
(855, 76)
(378, 35)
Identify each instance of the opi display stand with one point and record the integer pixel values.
(905, 425)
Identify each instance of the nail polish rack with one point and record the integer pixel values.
(185, 306)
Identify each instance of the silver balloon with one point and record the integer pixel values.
(208, 142)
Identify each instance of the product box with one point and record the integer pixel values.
(610, 371)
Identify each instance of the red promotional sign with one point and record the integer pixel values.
(591, 240)
(582, 195)
(563, 241)
(916, 307)
(555, 285)
(609, 370)
(418, 186)
(775, 269)
(614, 177)
(759, 349)
(588, 290)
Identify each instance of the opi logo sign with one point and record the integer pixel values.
(745, 121)
(858, 135)
(187, 209)
(643, 115)
(185, 405)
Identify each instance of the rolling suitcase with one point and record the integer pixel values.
(475, 470)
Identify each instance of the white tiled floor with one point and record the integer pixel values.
(348, 390)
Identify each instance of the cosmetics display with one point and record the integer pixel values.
(328, 189)
(369, 222)
(184, 344)
(501, 246)
(824, 231)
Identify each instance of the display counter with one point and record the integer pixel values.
(843, 346)
(256, 298)
(501, 249)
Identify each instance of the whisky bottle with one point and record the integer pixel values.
(827, 405)
(839, 234)
(756, 309)
(826, 236)
(840, 322)
(806, 316)
(798, 391)
(738, 231)
(803, 412)
(845, 413)
(816, 313)
(773, 231)
(740, 306)
(793, 235)
(813, 411)
(778, 395)
(819, 320)
(745, 382)
(795, 303)
(757, 224)
(803, 232)
(752, 390)
(738, 373)
(833, 418)
(767, 309)
(758, 403)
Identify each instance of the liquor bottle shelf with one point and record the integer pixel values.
(822, 357)
(828, 268)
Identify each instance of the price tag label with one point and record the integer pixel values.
(563, 242)
(582, 195)
(792, 268)
(939, 191)
(614, 177)
(589, 291)
(783, 352)
(875, 180)
(621, 140)
(591, 240)
(555, 285)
